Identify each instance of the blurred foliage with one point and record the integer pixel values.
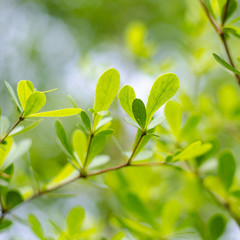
(193, 192)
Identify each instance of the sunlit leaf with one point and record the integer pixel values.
(193, 150)
(5, 149)
(58, 113)
(162, 90)
(98, 161)
(24, 90)
(79, 142)
(173, 113)
(75, 219)
(155, 122)
(106, 90)
(34, 103)
(126, 96)
(36, 226)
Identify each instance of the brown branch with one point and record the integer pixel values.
(219, 30)
(20, 119)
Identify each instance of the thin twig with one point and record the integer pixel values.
(219, 29)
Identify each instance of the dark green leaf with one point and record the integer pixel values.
(225, 64)
(226, 168)
(86, 121)
(139, 112)
(63, 137)
(216, 226)
(232, 7)
(13, 198)
(4, 224)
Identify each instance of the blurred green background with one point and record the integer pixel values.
(68, 44)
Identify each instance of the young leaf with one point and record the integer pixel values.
(106, 90)
(13, 95)
(34, 103)
(63, 137)
(58, 113)
(126, 96)
(75, 219)
(173, 113)
(193, 150)
(24, 129)
(162, 90)
(231, 8)
(13, 198)
(24, 90)
(79, 142)
(4, 224)
(216, 226)
(36, 226)
(86, 121)
(226, 168)
(139, 112)
(225, 64)
(105, 132)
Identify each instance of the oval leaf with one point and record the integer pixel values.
(139, 112)
(162, 90)
(24, 90)
(126, 97)
(34, 103)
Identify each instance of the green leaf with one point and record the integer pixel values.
(139, 112)
(232, 7)
(190, 125)
(232, 30)
(5, 149)
(75, 219)
(63, 137)
(173, 113)
(216, 226)
(4, 224)
(193, 150)
(13, 95)
(86, 120)
(170, 215)
(106, 90)
(21, 130)
(36, 226)
(126, 96)
(226, 168)
(34, 103)
(162, 90)
(79, 142)
(24, 90)
(13, 198)
(98, 161)
(105, 132)
(58, 113)
(225, 64)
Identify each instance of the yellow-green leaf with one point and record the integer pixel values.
(34, 103)
(162, 90)
(126, 97)
(58, 113)
(79, 142)
(24, 90)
